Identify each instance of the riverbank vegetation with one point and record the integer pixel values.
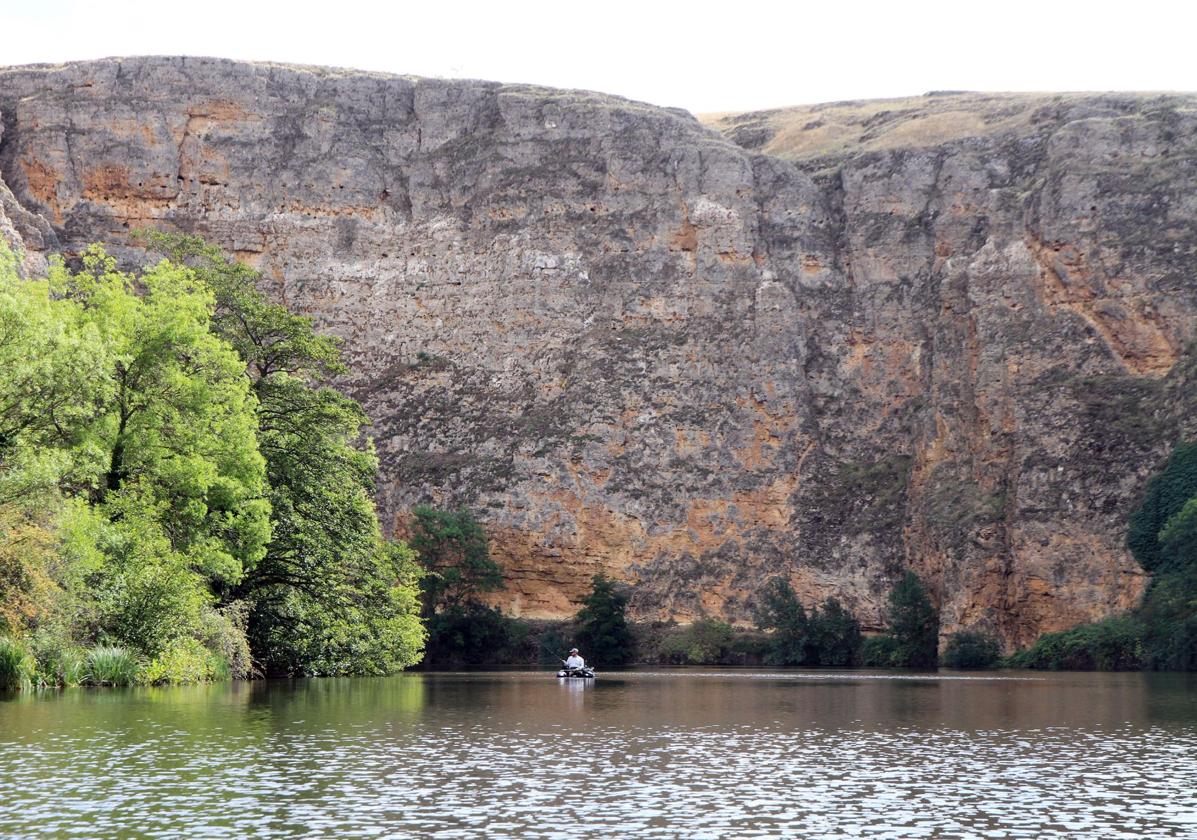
(467, 632)
(182, 495)
(1161, 634)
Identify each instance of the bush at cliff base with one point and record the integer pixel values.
(603, 633)
(474, 634)
(828, 635)
(1162, 633)
(913, 624)
(1112, 645)
(971, 650)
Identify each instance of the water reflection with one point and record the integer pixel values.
(671, 754)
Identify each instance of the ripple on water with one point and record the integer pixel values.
(463, 766)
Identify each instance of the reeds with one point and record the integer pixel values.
(110, 666)
(16, 665)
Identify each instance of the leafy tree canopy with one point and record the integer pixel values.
(170, 450)
(603, 632)
(913, 624)
(456, 555)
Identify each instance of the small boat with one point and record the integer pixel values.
(576, 674)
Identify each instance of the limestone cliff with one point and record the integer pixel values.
(826, 342)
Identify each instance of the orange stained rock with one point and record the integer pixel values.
(1128, 325)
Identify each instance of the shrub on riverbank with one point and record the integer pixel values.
(828, 635)
(474, 635)
(705, 642)
(60, 661)
(184, 660)
(1112, 645)
(602, 626)
(971, 650)
(879, 652)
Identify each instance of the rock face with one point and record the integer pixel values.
(826, 343)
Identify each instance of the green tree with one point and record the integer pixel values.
(456, 557)
(1164, 497)
(782, 615)
(329, 594)
(835, 634)
(603, 632)
(828, 635)
(913, 624)
(179, 434)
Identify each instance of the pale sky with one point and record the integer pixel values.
(703, 56)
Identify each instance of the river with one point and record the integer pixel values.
(687, 753)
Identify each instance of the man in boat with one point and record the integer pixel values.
(574, 662)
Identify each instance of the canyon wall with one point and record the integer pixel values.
(946, 333)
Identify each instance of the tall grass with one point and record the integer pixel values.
(63, 668)
(16, 665)
(110, 666)
(57, 659)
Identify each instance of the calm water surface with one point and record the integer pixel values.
(669, 754)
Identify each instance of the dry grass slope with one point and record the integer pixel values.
(842, 129)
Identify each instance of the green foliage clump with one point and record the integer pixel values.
(17, 667)
(971, 650)
(1169, 616)
(880, 652)
(1112, 645)
(1164, 498)
(603, 633)
(169, 450)
(456, 557)
(473, 635)
(60, 661)
(184, 660)
(834, 635)
(707, 641)
(370, 626)
(913, 624)
(224, 634)
(828, 635)
(111, 665)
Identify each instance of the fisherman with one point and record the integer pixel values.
(574, 662)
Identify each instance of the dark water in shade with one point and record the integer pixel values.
(667, 754)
